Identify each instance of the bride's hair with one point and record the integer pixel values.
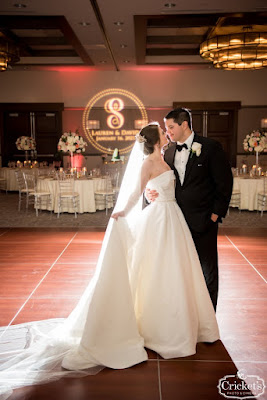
(149, 135)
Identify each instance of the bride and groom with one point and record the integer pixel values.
(148, 290)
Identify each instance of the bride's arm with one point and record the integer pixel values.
(140, 187)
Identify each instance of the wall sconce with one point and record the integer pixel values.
(140, 123)
(264, 123)
(93, 124)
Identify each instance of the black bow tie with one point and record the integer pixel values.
(180, 146)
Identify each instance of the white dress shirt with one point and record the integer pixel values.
(181, 157)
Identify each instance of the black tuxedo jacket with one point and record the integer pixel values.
(207, 186)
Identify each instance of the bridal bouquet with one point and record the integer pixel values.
(71, 142)
(256, 141)
(25, 143)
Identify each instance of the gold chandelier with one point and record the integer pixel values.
(9, 53)
(236, 51)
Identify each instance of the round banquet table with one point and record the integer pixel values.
(9, 175)
(86, 189)
(248, 187)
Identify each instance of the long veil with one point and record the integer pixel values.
(130, 189)
(32, 353)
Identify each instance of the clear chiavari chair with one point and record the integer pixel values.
(36, 197)
(262, 197)
(67, 196)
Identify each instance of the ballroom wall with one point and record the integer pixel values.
(157, 90)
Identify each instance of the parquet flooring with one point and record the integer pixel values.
(44, 272)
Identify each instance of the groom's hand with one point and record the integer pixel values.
(214, 217)
(151, 195)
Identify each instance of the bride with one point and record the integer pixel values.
(148, 290)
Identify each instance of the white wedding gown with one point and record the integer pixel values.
(148, 291)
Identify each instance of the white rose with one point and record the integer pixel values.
(263, 142)
(258, 148)
(251, 142)
(196, 148)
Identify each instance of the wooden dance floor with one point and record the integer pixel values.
(44, 272)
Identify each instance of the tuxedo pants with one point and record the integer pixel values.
(206, 245)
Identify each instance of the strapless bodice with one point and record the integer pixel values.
(164, 184)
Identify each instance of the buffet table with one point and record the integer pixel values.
(86, 189)
(248, 187)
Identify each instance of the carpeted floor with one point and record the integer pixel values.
(10, 217)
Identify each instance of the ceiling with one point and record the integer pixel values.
(118, 35)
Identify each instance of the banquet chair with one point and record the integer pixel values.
(3, 184)
(106, 195)
(38, 198)
(115, 180)
(23, 191)
(262, 197)
(67, 194)
(235, 200)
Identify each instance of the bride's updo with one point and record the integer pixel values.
(149, 135)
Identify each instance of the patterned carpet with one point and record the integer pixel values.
(10, 217)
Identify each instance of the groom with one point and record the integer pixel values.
(203, 188)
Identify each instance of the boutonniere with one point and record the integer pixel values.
(195, 149)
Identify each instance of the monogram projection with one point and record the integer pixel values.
(110, 119)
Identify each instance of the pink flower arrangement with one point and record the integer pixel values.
(25, 143)
(256, 141)
(71, 142)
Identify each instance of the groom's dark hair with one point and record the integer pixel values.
(179, 115)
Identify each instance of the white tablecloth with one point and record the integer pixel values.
(9, 175)
(86, 189)
(248, 188)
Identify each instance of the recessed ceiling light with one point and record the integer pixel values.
(118, 23)
(102, 61)
(123, 46)
(83, 23)
(19, 5)
(169, 5)
(126, 61)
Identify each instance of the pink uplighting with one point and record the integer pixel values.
(67, 68)
(77, 161)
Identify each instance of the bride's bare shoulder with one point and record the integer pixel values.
(147, 168)
(147, 164)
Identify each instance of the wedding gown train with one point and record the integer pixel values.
(148, 291)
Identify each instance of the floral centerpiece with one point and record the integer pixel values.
(256, 141)
(72, 142)
(25, 143)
